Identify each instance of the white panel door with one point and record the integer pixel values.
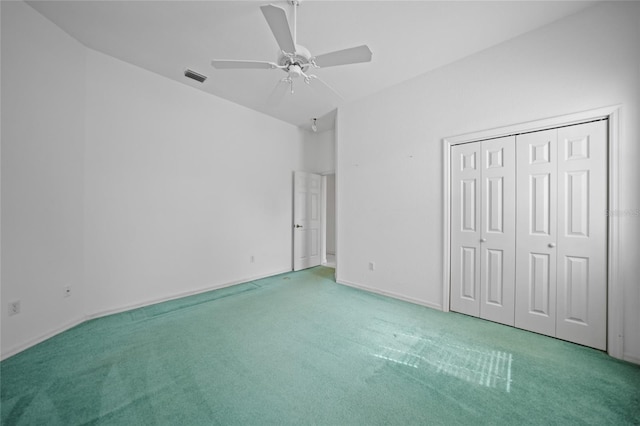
(582, 234)
(306, 220)
(536, 236)
(466, 186)
(498, 239)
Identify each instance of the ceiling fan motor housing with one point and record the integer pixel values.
(300, 57)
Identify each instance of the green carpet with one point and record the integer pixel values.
(300, 349)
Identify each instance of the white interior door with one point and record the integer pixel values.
(498, 239)
(465, 228)
(529, 231)
(536, 232)
(307, 215)
(582, 234)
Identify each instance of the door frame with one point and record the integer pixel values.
(615, 301)
(323, 216)
(323, 222)
(294, 222)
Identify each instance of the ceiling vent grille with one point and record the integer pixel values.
(194, 75)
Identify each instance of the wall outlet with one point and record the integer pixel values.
(372, 266)
(252, 259)
(14, 308)
(66, 291)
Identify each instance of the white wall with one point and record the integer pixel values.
(318, 151)
(389, 146)
(128, 186)
(182, 188)
(42, 175)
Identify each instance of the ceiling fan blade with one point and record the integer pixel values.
(278, 92)
(277, 19)
(352, 55)
(325, 90)
(222, 64)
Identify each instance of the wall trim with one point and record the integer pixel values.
(151, 302)
(87, 317)
(46, 336)
(615, 299)
(336, 162)
(390, 294)
(631, 358)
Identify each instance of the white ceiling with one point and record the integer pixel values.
(407, 39)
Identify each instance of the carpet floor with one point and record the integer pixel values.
(300, 349)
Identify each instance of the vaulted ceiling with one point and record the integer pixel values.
(408, 38)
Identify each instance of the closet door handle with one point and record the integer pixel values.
(483, 240)
(552, 245)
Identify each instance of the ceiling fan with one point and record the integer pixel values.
(294, 59)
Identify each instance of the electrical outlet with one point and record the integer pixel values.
(66, 291)
(372, 266)
(14, 308)
(252, 259)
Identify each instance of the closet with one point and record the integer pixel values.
(529, 231)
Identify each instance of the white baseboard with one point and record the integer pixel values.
(631, 358)
(23, 346)
(150, 302)
(391, 294)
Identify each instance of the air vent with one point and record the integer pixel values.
(194, 75)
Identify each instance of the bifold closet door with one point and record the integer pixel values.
(536, 232)
(483, 229)
(498, 228)
(561, 279)
(465, 228)
(582, 234)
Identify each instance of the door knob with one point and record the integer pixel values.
(552, 245)
(483, 240)
(298, 226)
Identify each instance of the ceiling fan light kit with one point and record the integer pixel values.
(294, 59)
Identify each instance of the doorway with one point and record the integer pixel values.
(314, 220)
(614, 301)
(528, 237)
(329, 231)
